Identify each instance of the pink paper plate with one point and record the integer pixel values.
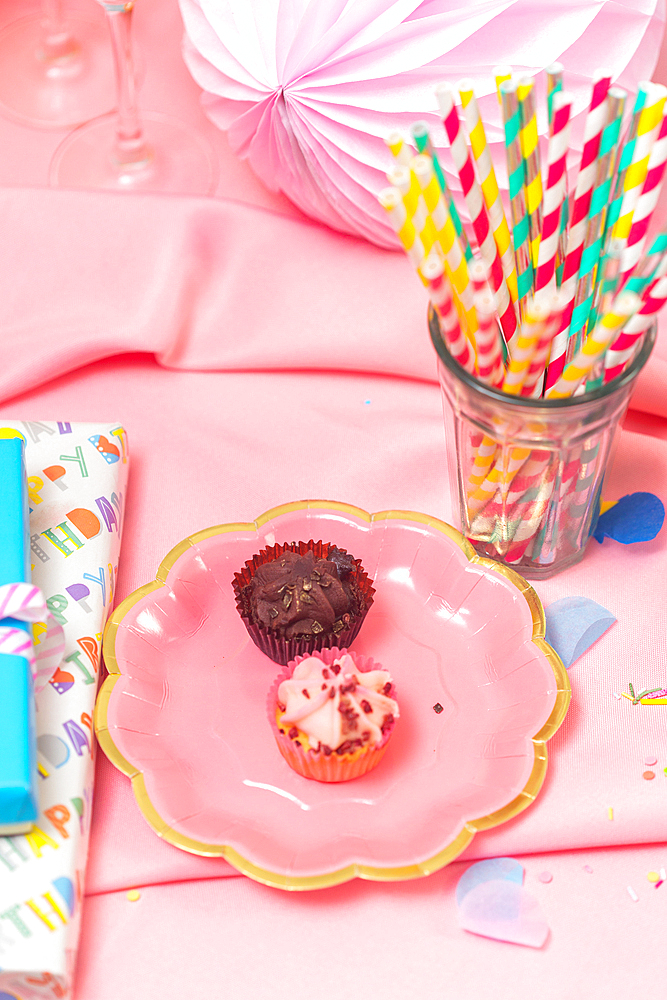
(480, 692)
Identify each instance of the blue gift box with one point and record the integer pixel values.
(18, 768)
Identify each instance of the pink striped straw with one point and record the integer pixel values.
(623, 348)
(596, 119)
(554, 193)
(433, 270)
(646, 204)
(476, 207)
(487, 341)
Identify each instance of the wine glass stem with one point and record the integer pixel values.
(57, 42)
(130, 150)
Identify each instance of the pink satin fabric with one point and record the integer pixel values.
(257, 358)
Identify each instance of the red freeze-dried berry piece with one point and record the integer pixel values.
(304, 692)
(387, 688)
(325, 673)
(335, 668)
(332, 693)
(367, 707)
(293, 733)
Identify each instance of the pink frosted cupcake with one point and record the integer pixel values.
(332, 713)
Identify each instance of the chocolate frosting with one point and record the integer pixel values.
(302, 595)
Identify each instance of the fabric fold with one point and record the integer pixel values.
(207, 285)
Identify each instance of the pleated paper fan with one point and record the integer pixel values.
(308, 89)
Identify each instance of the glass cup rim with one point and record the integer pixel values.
(528, 403)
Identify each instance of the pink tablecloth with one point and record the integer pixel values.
(204, 325)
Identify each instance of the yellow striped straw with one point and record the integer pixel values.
(650, 120)
(501, 73)
(391, 200)
(594, 346)
(530, 151)
(399, 148)
(444, 232)
(489, 185)
(523, 346)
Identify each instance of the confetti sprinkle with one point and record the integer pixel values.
(658, 884)
(650, 761)
(632, 894)
(133, 895)
(617, 696)
(653, 877)
(648, 775)
(610, 813)
(437, 708)
(545, 877)
(587, 868)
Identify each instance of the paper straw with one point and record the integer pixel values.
(445, 234)
(399, 148)
(596, 120)
(646, 204)
(488, 184)
(646, 271)
(625, 158)
(554, 192)
(433, 270)
(485, 452)
(478, 214)
(391, 200)
(501, 75)
(554, 85)
(593, 241)
(424, 145)
(531, 154)
(523, 347)
(516, 171)
(650, 121)
(532, 515)
(595, 345)
(553, 303)
(487, 341)
(623, 348)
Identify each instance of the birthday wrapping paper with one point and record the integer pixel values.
(77, 476)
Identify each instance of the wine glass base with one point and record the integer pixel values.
(180, 160)
(55, 93)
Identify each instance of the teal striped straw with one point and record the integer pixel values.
(516, 174)
(424, 145)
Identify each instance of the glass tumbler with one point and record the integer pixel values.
(526, 474)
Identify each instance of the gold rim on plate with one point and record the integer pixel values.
(525, 797)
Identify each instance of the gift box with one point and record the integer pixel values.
(18, 778)
(76, 481)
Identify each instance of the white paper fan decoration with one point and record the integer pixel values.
(308, 89)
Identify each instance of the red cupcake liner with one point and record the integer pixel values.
(277, 647)
(314, 764)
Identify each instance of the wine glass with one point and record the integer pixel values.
(56, 69)
(129, 151)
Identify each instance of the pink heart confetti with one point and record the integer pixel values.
(503, 910)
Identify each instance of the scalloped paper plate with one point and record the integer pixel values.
(183, 714)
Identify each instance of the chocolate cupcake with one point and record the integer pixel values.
(301, 596)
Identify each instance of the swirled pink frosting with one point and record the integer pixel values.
(338, 707)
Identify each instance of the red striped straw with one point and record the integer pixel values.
(646, 204)
(478, 214)
(596, 119)
(487, 341)
(433, 270)
(554, 192)
(532, 385)
(623, 348)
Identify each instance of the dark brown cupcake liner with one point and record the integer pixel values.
(276, 646)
